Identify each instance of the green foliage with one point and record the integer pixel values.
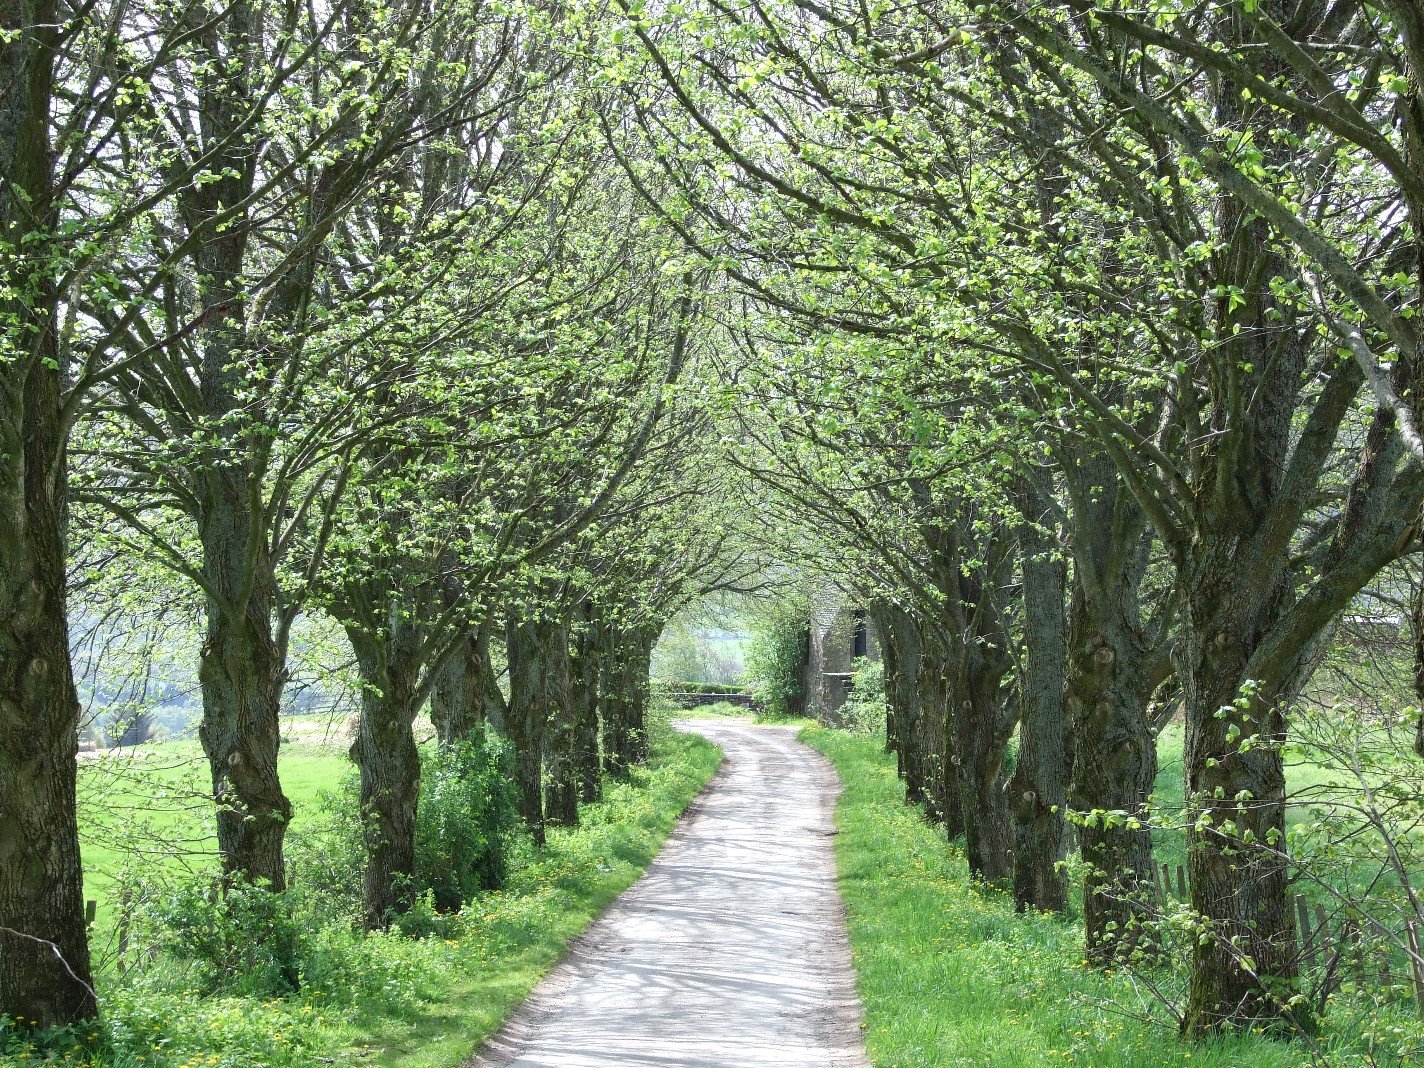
(776, 657)
(864, 708)
(465, 822)
(241, 939)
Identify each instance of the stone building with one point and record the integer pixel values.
(840, 635)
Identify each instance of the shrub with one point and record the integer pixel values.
(465, 821)
(864, 708)
(243, 939)
(776, 658)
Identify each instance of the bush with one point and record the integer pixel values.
(465, 821)
(864, 708)
(243, 939)
(776, 658)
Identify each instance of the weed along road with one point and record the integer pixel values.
(730, 952)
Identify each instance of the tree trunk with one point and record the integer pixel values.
(1114, 768)
(625, 697)
(881, 614)
(534, 694)
(978, 743)
(241, 671)
(900, 652)
(583, 697)
(561, 751)
(939, 774)
(1114, 666)
(389, 762)
(917, 702)
(458, 700)
(44, 950)
(1038, 788)
(1236, 797)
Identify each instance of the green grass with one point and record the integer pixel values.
(951, 976)
(384, 999)
(151, 807)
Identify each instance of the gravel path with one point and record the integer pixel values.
(730, 952)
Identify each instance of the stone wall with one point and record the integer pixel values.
(839, 634)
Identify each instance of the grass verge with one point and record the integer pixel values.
(388, 998)
(513, 937)
(951, 976)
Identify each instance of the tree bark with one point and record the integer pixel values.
(1114, 768)
(972, 641)
(44, 951)
(1038, 788)
(585, 672)
(1115, 664)
(1236, 791)
(389, 761)
(241, 672)
(243, 665)
(533, 645)
(459, 700)
(977, 747)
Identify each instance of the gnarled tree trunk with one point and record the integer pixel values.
(1114, 666)
(389, 761)
(1114, 768)
(1236, 830)
(979, 738)
(243, 666)
(44, 950)
(241, 672)
(461, 699)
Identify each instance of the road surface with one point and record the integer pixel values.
(731, 950)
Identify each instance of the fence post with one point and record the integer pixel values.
(1307, 935)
